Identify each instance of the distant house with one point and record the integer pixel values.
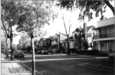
(104, 40)
(71, 43)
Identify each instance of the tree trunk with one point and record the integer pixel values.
(11, 49)
(58, 42)
(6, 45)
(68, 51)
(6, 35)
(11, 38)
(33, 56)
(110, 6)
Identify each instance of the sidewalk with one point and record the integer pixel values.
(9, 68)
(48, 55)
(62, 54)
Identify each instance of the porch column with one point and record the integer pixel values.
(99, 46)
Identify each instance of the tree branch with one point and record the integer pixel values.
(4, 27)
(110, 6)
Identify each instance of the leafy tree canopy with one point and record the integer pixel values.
(86, 5)
(28, 15)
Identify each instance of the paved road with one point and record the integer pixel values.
(76, 66)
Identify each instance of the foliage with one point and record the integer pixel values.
(8, 16)
(26, 16)
(86, 5)
(30, 16)
(34, 17)
(24, 43)
(81, 42)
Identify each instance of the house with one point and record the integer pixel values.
(104, 40)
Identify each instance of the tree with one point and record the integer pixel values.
(24, 43)
(26, 16)
(3, 41)
(34, 17)
(9, 18)
(67, 35)
(80, 40)
(86, 5)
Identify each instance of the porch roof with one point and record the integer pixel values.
(106, 22)
(104, 39)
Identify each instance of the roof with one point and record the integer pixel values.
(106, 22)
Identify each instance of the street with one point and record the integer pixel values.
(57, 37)
(80, 65)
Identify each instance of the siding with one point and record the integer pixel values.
(113, 46)
(105, 32)
(106, 29)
